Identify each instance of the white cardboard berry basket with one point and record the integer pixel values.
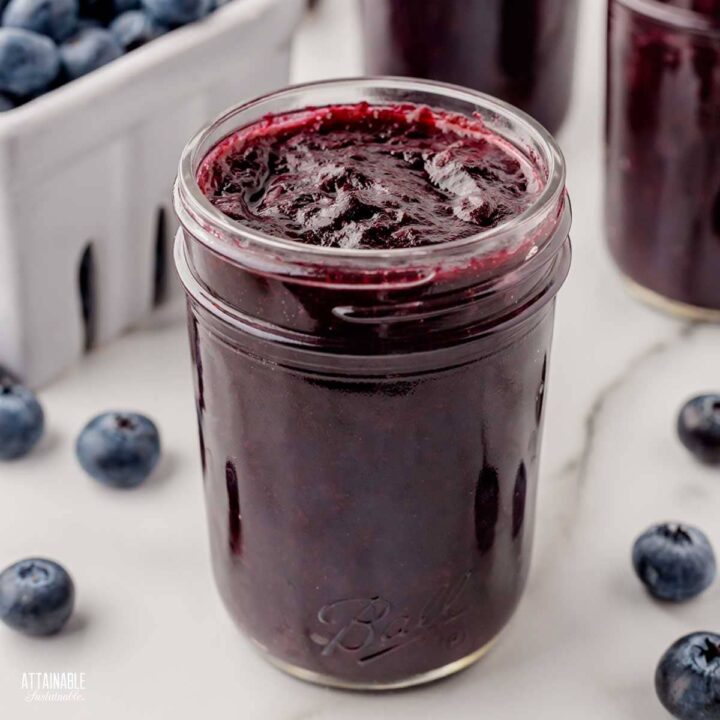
(86, 176)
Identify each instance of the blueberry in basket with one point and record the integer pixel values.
(46, 43)
(135, 28)
(58, 19)
(88, 50)
(177, 12)
(29, 62)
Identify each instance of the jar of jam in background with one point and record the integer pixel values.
(663, 151)
(521, 51)
(370, 419)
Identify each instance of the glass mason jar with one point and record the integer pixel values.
(370, 420)
(519, 50)
(663, 152)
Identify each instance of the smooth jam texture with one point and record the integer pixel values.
(369, 177)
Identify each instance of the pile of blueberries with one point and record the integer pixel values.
(46, 43)
(674, 561)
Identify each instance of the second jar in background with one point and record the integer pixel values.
(518, 50)
(663, 151)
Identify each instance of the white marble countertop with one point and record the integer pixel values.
(150, 632)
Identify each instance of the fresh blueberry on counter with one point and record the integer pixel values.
(699, 427)
(58, 19)
(29, 62)
(120, 449)
(88, 50)
(21, 420)
(177, 12)
(687, 679)
(674, 562)
(135, 28)
(36, 596)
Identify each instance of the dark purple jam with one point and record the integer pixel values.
(708, 8)
(370, 448)
(519, 50)
(368, 177)
(663, 153)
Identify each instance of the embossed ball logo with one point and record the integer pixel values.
(367, 629)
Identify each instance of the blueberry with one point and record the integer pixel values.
(29, 62)
(135, 28)
(177, 12)
(6, 103)
(21, 420)
(674, 562)
(58, 19)
(687, 679)
(119, 448)
(36, 596)
(699, 427)
(88, 50)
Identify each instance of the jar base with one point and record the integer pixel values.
(670, 307)
(421, 679)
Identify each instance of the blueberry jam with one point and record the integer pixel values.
(519, 50)
(364, 177)
(663, 151)
(709, 8)
(370, 435)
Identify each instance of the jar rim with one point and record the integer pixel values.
(231, 238)
(684, 19)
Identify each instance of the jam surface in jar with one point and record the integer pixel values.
(368, 177)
